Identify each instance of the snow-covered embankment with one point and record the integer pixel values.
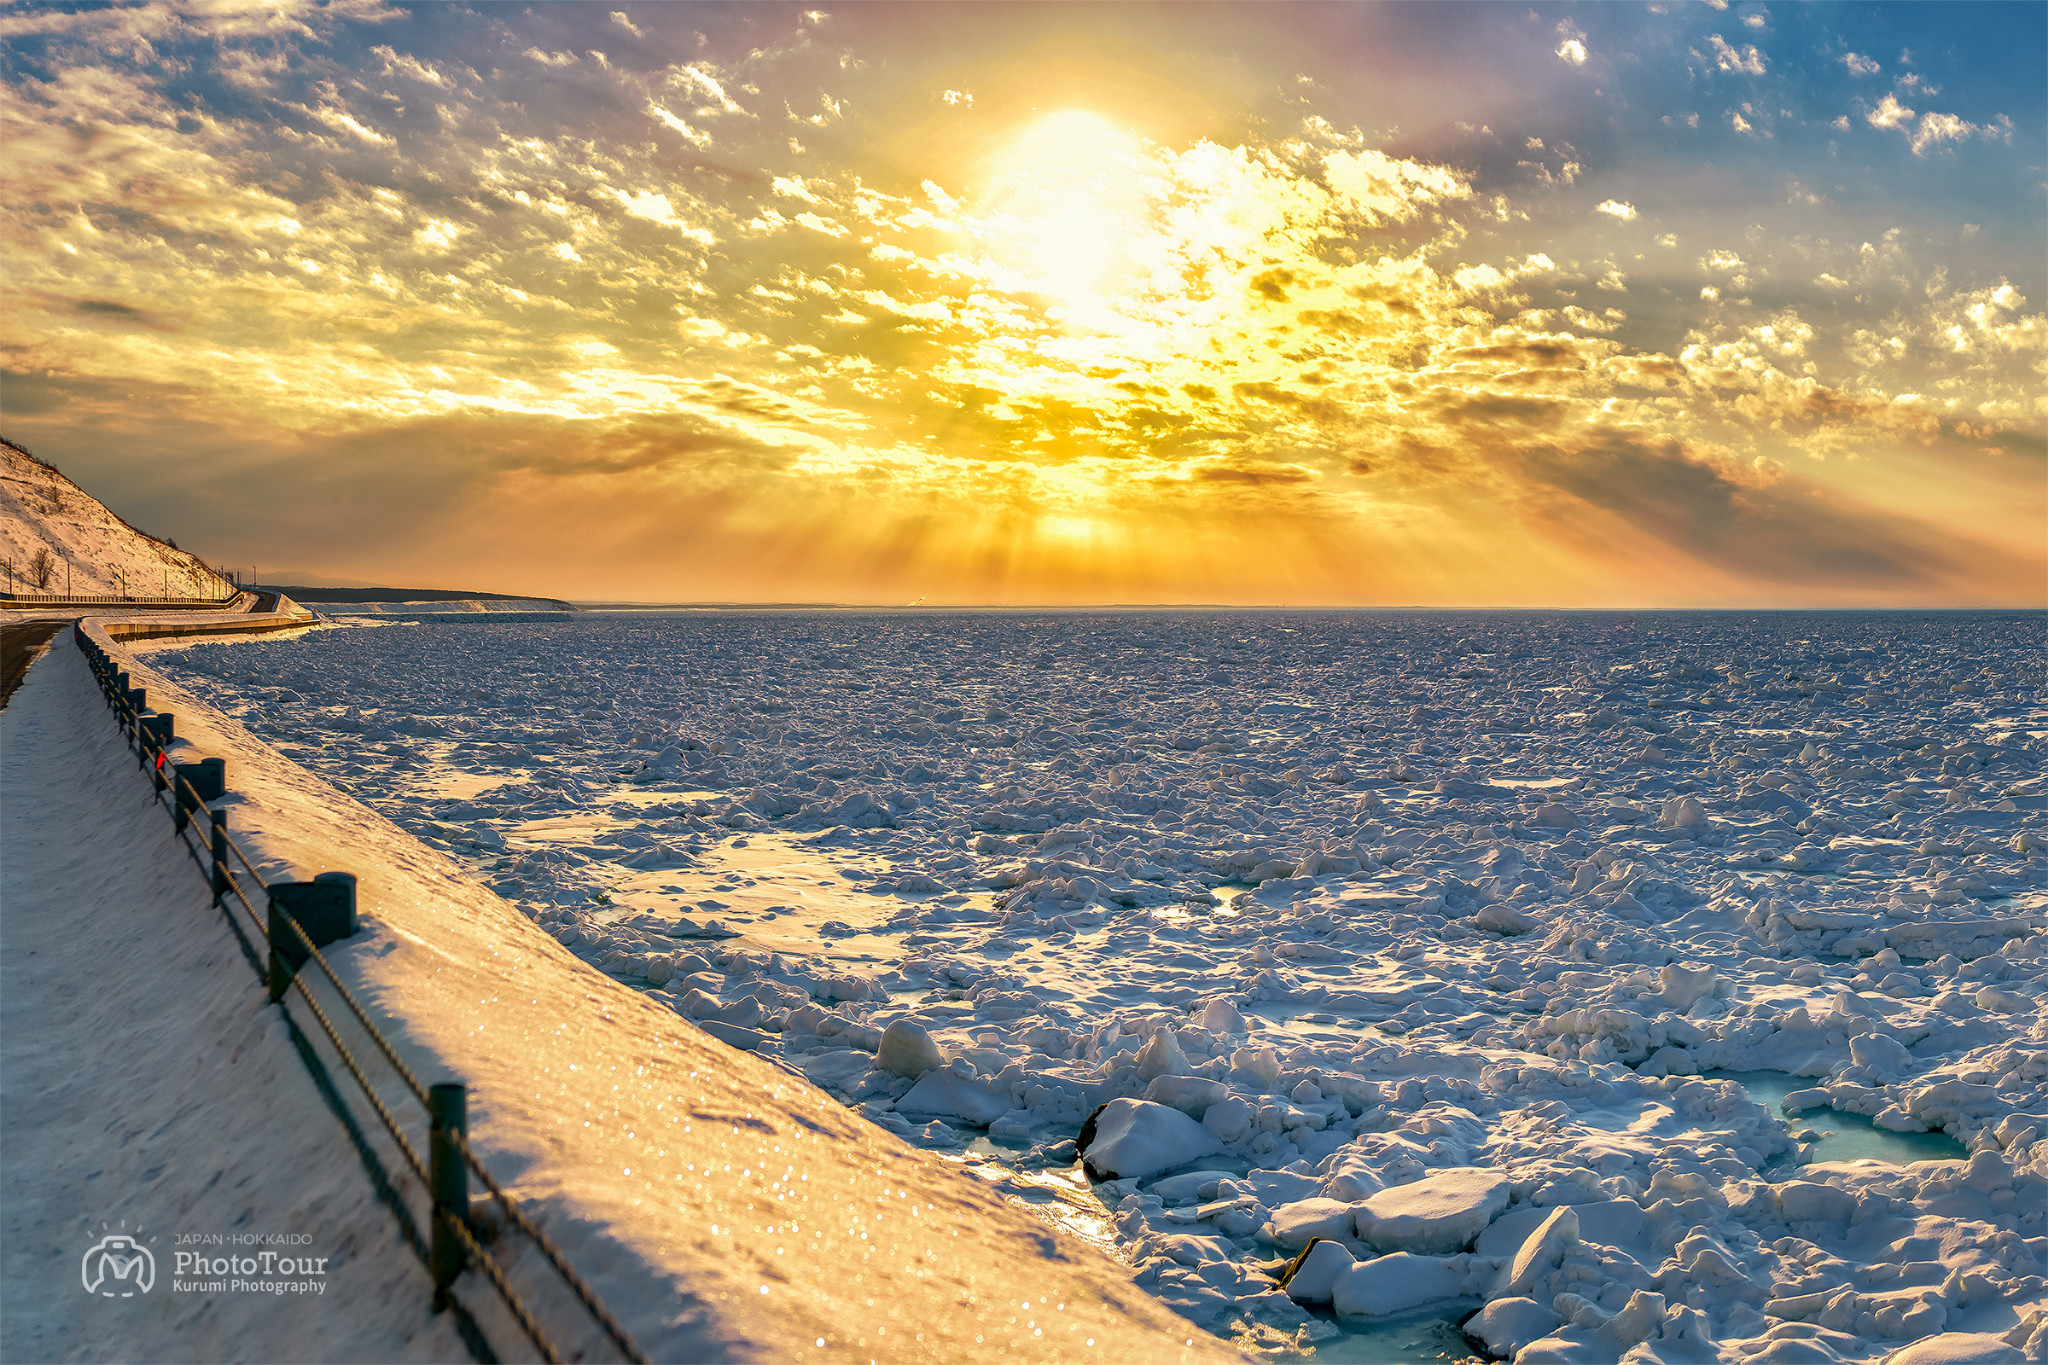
(721, 1207)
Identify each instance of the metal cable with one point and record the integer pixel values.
(347, 1060)
(584, 1293)
(405, 1072)
(482, 1261)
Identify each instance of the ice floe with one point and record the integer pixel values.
(1441, 938)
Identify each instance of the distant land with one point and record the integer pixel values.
(309, 593)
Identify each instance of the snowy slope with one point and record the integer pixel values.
(40, 509)
(723, 1208)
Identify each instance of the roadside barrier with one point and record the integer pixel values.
(301, 918)
(39, 599)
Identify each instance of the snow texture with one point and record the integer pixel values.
(1363, 897)
(723, 1208)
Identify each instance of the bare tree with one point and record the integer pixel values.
(41, 566)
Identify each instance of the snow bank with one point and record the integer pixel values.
(148, 1091)
(723, 1208)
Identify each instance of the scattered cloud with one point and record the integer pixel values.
(607, 299)
(1860, 65)
(1889, 113)
(1745, 60)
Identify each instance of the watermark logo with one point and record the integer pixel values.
(118, 1267)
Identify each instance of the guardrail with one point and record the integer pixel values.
(31, 599)
(300, 919)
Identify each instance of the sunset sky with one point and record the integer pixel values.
(1673, 304)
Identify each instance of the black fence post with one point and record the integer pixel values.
(198, 783)
(324, 907)
(448, 1107)
(158, 730)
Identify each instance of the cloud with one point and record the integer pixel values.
(1889, 113)
(1573, 50)
(1934, 128)
(1785, 532)
(1744, 60)
(1860, 65)
(579, 312)
(1938, 128)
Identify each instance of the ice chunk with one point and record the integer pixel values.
(1229, 1119)
(1179, 1189)
(947, 1093)
(1220, 1016)
(1507, 1325)
(1682, 812)
(1611, 1222)
(1392, 1284)
(1637, 1321)
(1295, 1225)
(1255, 1066)
(1317, 1272)
(1192, 1095)
(1161, 1056)
(1544, 1250)
(907, 1050)
(1881, 1053)
(1139, 1138)
(1958, 1348)
(1685, 985)
(1502, 918)
(1439, 1213)
(1802, 1201)
(733, 1035)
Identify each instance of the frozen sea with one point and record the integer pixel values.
(1465, 942)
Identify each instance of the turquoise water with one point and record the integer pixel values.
(1846, 1137)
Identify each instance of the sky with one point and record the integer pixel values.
(1669, 304)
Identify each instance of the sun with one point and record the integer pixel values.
(1063, 182)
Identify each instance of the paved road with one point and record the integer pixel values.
(21, 644)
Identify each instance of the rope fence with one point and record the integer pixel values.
(298, 919)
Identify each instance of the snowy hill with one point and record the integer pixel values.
(44, 514)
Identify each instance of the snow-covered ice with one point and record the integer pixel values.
(1376, 903)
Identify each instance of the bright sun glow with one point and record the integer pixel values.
(1069, 528)
(1076, 245)
(1062, 179)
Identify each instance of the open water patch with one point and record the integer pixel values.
(1844, 1137)
(1429, 1336)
